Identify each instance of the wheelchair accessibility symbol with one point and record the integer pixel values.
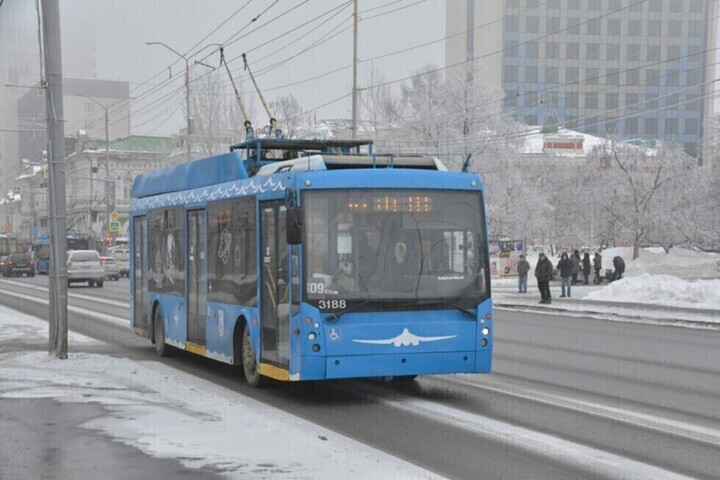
(334, 335)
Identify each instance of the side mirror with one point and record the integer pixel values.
(293, 225)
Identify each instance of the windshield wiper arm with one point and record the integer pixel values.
(336, 315)
(466, 312)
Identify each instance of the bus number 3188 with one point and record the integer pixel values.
(331, 304)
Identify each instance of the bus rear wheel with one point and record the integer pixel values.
(161, 348)
(250, 366)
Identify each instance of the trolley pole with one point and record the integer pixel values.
(56, 167)
(355, 65)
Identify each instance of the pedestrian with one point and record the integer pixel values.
(597, 265)
(575, 260)
(586, 268)
(543, 273)
(619, 265)
(565, 266)
(523, 267)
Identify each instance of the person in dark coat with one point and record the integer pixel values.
(619, 265)
(565, 265)
(523, 267)
(575, 259)
(586, 268)
(597, 266)
(543, 273)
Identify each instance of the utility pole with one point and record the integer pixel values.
(56, 166)
(108, 208)
(355, 65)
(187, 90)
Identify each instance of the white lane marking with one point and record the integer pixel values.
(79, 296)
(82, 311)
(592, 460)
(673, 427)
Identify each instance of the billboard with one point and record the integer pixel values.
(504, 257)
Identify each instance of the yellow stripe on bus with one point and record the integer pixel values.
(273, 372)
(195, 348)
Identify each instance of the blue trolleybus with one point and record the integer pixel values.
(310, 260)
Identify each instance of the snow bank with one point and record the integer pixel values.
(661, 290)
(680, 262)
(170, 414)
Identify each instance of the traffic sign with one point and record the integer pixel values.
(114, 216)
(114, 227)
(17, 190)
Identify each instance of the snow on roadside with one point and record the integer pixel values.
(661, 290)
(170, 414)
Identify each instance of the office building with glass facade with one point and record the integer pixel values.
(629, 68)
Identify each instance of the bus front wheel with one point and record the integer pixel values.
(250, 366)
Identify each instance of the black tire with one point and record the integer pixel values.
(31, 274)
(99, 284)
(249, 365)
(161, 348)
(91, 283)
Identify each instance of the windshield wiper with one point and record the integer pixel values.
(336, 315)
(466, 312)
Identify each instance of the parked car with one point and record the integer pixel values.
(3, 259)
(85, 266)
(110, 268)
(18, 264)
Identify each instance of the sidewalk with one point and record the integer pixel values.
(96, 415)
(505, 296)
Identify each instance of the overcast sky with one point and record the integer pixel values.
(106, 40)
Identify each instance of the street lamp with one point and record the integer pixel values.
(107, 153)
(187, 83)
(187, 91)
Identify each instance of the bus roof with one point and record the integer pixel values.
(303, 145)
(268, 156)
(200, 173)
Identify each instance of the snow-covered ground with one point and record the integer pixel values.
(683, 278)
(169, 414)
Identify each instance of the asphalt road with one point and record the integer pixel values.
(570, 397)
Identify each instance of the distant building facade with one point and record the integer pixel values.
(604, 67)
(86, 177)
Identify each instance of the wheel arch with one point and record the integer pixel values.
(240, 323)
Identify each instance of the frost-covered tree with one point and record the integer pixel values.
(416, 113)
(218, 121)
(641, 186)
(289, 114)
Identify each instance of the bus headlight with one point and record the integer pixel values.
(312, 336)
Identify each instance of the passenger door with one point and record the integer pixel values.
(275, 301)
(196, 282)
(140, 284)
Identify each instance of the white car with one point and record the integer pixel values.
(122, 257)
(85, 266)
(110, 267)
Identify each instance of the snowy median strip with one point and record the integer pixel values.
(169, 414)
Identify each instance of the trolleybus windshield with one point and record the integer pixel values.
(390, 248)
